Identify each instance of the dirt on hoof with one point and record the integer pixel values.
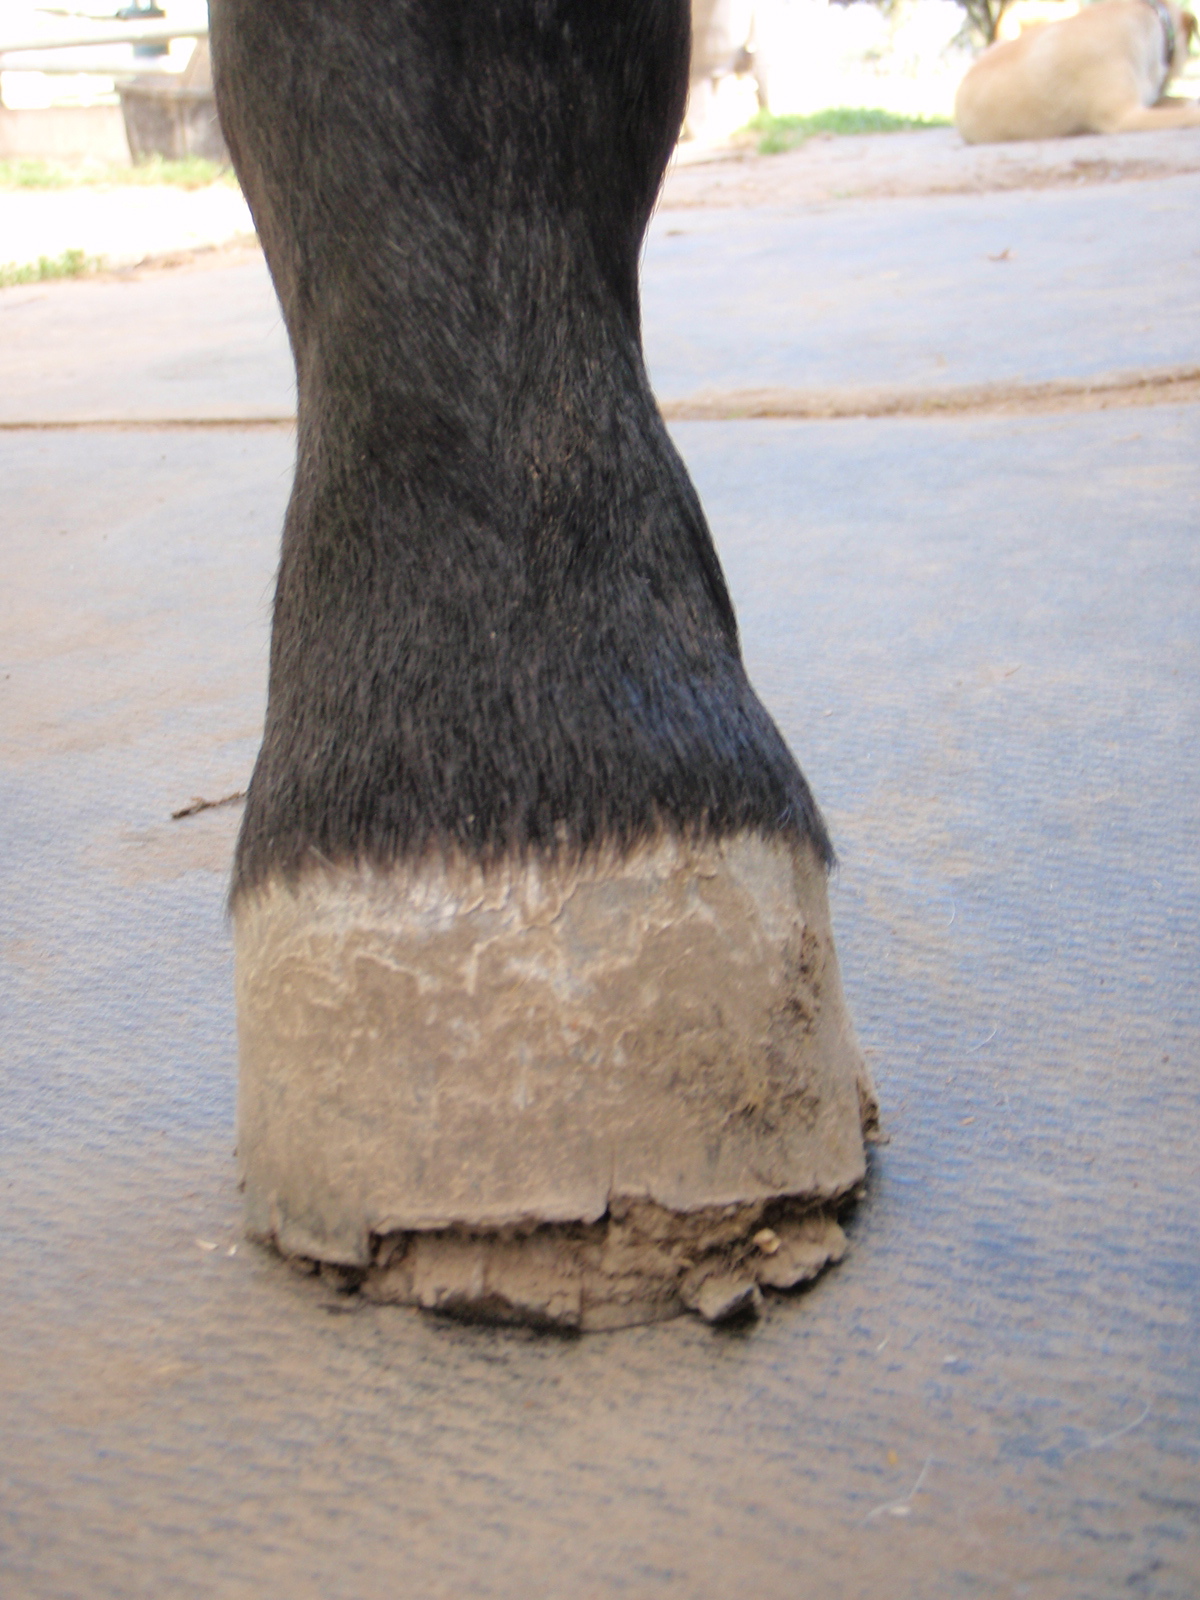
(640, 1263)
(548, 1076)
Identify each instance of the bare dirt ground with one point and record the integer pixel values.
(924, 162)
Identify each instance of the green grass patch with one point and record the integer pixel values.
(71, 264)
(190, 174)
(785, 133)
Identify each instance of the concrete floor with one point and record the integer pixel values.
(122, 223)
(981, 638)
(925, 291)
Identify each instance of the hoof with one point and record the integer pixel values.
(583, 1097)
(639, 1264)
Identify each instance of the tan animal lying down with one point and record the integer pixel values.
(1104, 70)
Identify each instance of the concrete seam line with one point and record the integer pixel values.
(1157, 386)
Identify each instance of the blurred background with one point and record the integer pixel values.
(110, 151)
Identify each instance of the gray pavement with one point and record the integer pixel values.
(981, 639)
(184, 343)
(980, 636)
(927, 292)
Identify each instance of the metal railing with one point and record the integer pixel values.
(26, 54)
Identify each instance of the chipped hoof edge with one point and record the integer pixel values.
(583, 1097)
(640, 1264)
